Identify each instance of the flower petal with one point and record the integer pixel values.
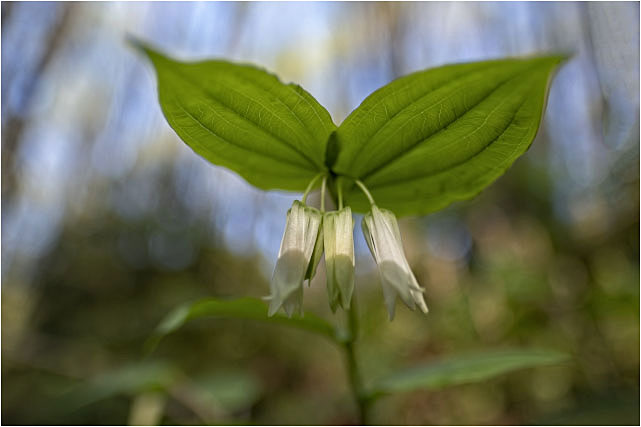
(287, 279)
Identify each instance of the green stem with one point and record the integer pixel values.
(322, 195)
(310, 186)
(353, 371)
(367, 193)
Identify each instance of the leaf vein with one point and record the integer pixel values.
(449, 167)
(225, 140)
(257, 124)
(442, 129)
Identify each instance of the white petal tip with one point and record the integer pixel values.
(273, 308)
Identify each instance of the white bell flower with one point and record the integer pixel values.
(384, 240)
(294, 265)
(338, 232)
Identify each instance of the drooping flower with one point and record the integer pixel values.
(384, 240)
(299, 246)
(338, 229)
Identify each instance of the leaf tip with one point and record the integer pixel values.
(134, 41)
(566, 56)
(558, 59)
(139, 45)
(144, 48)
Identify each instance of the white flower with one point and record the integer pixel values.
(338, 232)
(384, 240)
(294, 265)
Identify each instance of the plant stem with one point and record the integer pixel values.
(310, 185)
(367, 193)
(322, 195)
(355, 380)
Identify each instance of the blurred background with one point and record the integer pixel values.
(109, 221)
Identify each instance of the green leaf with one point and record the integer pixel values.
(464, 369)
(242, 117)
(441, 135)
(229, 389)
(130, 379)
(241, 308)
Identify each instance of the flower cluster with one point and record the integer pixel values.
(309, 232)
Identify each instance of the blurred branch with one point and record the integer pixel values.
(239, 24)
(393, 14)
(7, 9)
(14, 127)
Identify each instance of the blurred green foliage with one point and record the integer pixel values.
(526, 285)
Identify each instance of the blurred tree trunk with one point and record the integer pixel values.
(14, 125)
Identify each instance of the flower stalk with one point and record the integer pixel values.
(355, 380)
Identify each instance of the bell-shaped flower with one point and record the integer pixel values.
(338, 232)
(294, 263)
(384, 240)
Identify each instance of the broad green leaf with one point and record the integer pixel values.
(242, 117)
(441, 135)
(463, 370)
(241, 308)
